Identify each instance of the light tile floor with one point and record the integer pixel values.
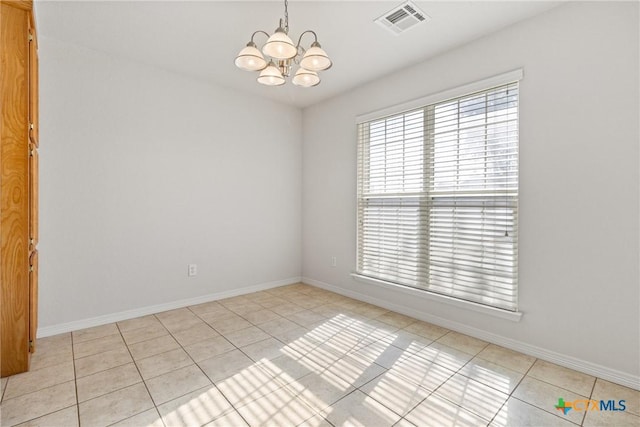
(294, 355)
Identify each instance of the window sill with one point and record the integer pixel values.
(495, 312)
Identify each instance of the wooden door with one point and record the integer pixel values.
(34, 122)
(33, 197)
(33, 300)
(14, 209)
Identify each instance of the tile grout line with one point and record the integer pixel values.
(593, 387)
(447, 380)
(75, 378)
(48, 413)
(233, 408)
(351, 351)
(141, 378)
(96, 338)
(196, 363)
(553, 385)
(39, 388)
(473, 379)
(382, 403)
(433, 392)
(287, 385)
(114, 390)
(543, 410)
(505, 401)
(4, 387)
(47, 387)
(44, 388)
(154, 315)
(254, 362)
(344, 354)
(525, 375)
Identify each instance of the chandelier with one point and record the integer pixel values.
(280, 54)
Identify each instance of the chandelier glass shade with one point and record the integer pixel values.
(315, 58)
(305, 78)
(280, 46)
(271, 75)
(250, 58)
(279, 54)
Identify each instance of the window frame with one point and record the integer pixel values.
(424, 103)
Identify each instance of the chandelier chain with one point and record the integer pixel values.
(286, 16)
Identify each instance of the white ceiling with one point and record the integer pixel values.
(202, 38)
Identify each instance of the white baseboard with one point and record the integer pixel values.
(152, 309)
(600, 371)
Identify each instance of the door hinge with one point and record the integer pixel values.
(30, 37)
(31, 126)
(30, 345)
(31, 269)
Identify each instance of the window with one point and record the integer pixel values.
(438, 197)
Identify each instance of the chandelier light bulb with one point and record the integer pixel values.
(250, 58)
(280, 46)
(271, 76)
(315, 58)
(305, 78)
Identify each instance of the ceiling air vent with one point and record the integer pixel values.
(402, 17)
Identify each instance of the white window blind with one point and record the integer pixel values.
(438, 197)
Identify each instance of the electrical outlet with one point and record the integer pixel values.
(334, 261)
(193, 270)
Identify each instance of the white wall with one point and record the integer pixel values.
(144, 171)
(579, 184)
